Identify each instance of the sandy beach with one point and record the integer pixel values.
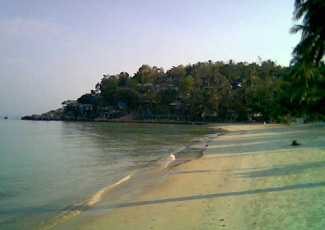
(249, 178)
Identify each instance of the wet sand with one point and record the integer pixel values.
(249, 178)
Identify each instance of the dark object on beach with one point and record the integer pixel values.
(294, 142)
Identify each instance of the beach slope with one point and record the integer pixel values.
(249, 178)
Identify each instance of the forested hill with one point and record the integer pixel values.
(205, 91)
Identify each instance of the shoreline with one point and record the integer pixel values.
(161, 168)
(129, 121)
(150, 121)
(138, 183)
(250, 178)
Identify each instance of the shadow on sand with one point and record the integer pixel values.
(216, 195)
(282, 170)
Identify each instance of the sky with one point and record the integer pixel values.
(51, 51)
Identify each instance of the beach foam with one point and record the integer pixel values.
(76, 210)
(141, 181)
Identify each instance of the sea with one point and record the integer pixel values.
(51, 171)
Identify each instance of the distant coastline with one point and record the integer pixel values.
(202, 92)
(10, 117)
(40, 118)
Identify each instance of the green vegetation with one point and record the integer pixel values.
(205, 91)
(308, 68)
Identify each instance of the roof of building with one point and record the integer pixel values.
(175, 103)
(69, 102)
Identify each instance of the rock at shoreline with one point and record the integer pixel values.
(53, 115)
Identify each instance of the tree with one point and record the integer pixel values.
(108, 90)
(176, 73)
(167, 96)
(128, 96)
(133, 84)
(307, 63)
(123, 77)
(146, 74)
(142, 73)
(186, 86)
(311, 48)
(230, 70)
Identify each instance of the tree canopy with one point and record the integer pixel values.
(307, 65)
(206, 91)
(311, 47)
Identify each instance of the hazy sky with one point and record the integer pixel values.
(51, 51)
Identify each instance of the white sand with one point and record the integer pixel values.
(250, 178)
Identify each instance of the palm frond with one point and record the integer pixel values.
(296, 29)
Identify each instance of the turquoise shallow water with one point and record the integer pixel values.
(45, 167)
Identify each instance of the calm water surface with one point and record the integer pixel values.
(45, 167)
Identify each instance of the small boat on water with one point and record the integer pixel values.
(5, 118)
